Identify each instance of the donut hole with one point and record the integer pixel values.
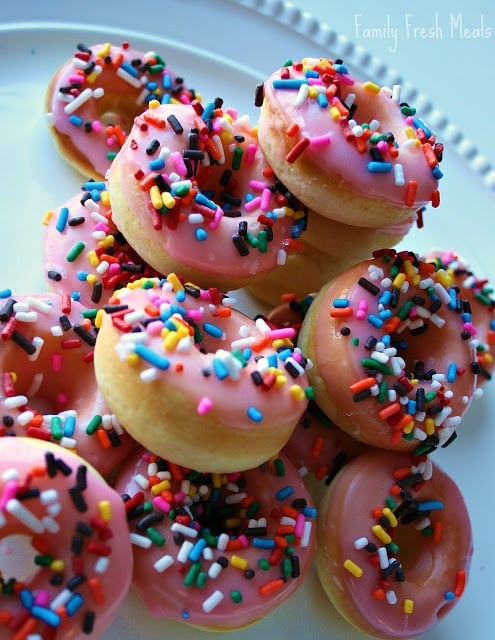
(56, 381)
(415, 553)
(17, 558)
(113, 110)
(416, 350)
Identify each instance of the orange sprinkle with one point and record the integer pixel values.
(103, 438)
(154, 120)
(402, 472)
(460, 583)
(322, 472)
(270, 587)
(261, 344)
(391, 325)
(25, 630)
(290, 512)
(435, 198)
(386, 412)
(340, 312)
(437, 531)
(96, 591)
(118, 59)
(292, 129)
(412, 187)
(317, 447)
(361, 385)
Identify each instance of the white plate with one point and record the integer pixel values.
(225, 48)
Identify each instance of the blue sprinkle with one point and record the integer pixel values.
(385, 314)
(284, 492)
(492, 325)
(263, 543)
(201, 234)
(387, 341)
(411, 407)
(437, 172)
(5, 293)
(419, 124)
(157, 164)
(167, 81)
(166, 98)
(95, 195)
(466, 317)
(295, 231)
(310, 73)
(453, 298)
(63, 216)
(208, 111)
(206, 202)
(247, 354)
(176, 308)
(384, 299)
(180, 296)
(375, 321)
(310, 512)
(76, 295)
(340, 68)
(430, 505)
(220, 369)
(197, 550)
(151, 357)
(254, 414)
(322, 100)
(152, 86)
(213, 330)
(82, 276)
(46, 615)
(272, 360)
(185, 615)
(27, 598)
(292, 83)
(74, 603)
(284, 354)
(340, 303)
(379, 167)
(129, 69)
(93, 184)
(449, 596)
(452, 372)
(69, 426)
(77, 120)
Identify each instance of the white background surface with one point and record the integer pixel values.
(457, 77)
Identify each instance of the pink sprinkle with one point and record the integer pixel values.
(409, 120)
(205, 405)
(154, 328)
(9, 492)
(315, 82)
(42, 598)
(110, 142)
(362, 310)
(321, 141)
(113, 268)
(284, 332)
(213, 224)
(77, 78)
(100, 226)
(56, 362)
(299, 528)
(97, 126)
(250, 153)
(468, 326)
(162, 504)
(265, 199)
(253, 204)
(194, 314)
(382, 146)
(62, 399)
(179, 164)
(244, 541)
(257, 185)
(180, 496)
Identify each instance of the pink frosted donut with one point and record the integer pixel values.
(394, 544)
(216, 551)
(48, 388)
(347, 149)
(319, 448)
(195, 380)
(73, 568)
(192, 192)
(84, 254)
(473, 297)
(393, 364)
(93, 97)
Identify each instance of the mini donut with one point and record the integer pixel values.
(394, 544)
(84, 254)
(218, 551)
(318, 448)
(472, 295)
(196, 381)
(192, 192)
(48, 388)
(327, 249)
(66, 529)
(394, 365)
(93, 97)
(350, 150)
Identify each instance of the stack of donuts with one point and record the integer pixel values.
(156, 435)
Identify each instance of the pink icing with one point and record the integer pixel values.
(76, 530)
(119, 81)
(431, 547)
(89, 273)
(334, 134)
(236, 181)
(48, 389)
(224, 551)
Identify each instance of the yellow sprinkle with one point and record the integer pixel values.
(312, 93)
(172, 338)
(105, 510)
(399, 280)
(93, 258)
(409, 268)
(168, 200)
(133, 359)
(232, 523)
(381, 534)
(389, 514)
(429, 426)
(408, 427)
(239, 563)
(47, 217)
(107, 241)
(410, 133)
(335, 113)
(408, 605)
(280, 379)
(91, 278)
(105, 198)
(92, 77)
(175, 282)
(282, 342)
(372, 87)
(164, 485)
(353, 568)
(104, 51)
(154, 104)
(297, 392)
(443, 277)
(156, 197)
(57, 566)
(216, 479)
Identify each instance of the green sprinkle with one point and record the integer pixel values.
(392, 547)
(355, 342)
(252, 510)
(43, 560)
(201, 579)
(406, 110)
(236, 596)
(56, 428)
(286, 568)
(75, 252)
(263, 564)
(404, 310)
(391, 502)
(262, 241)
(427, 531)
(382, 392)
(252, 240)
(192, 575)
(279, 467)
(156, 68)
(430, 396)
(93, 425)
(155, 536)
(237, 158)
(369, 363)
(309, 392)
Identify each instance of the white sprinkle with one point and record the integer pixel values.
(222, 542)
(184, 551)
(163, 563)
(214, 570)
(19, 511)
(189, 532)
(124, 75)
(383, 557)
(360, 543)
(102, 564)
(140, 541)
(148, 375)
(62, 598)
(213, 601)
(391, 597)
(14, 402)
(78, 101)
(306, 536)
